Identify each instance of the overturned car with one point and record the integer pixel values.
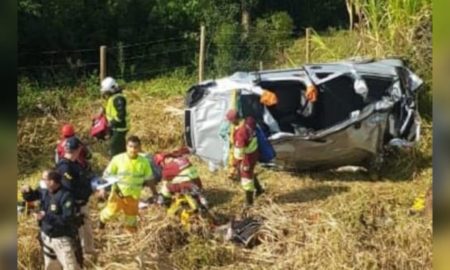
(361, 108)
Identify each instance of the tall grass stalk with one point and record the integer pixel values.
(389, 26)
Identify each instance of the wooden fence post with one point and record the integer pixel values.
(201, 58)
(260, 65)
(102, 62)
(308, 45)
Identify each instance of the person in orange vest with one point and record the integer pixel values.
(245, 153)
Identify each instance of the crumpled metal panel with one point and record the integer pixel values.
(352, 145)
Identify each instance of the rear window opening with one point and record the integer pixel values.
(336, 102)
(289, 96)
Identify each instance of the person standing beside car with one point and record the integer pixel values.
(245, 153)
(116, 114)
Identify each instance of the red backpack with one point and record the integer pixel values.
(173, 168)
(99, 127)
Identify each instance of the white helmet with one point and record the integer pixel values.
(109, 85)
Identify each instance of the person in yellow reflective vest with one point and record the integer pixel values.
(133, 171)
(116, 113)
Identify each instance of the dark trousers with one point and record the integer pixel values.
(118, 145)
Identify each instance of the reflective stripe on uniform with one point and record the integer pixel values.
(247, 184)
(132, 173)
(111, 112)
(252, 146)
(186, 175)
(238, 153)
(165, 190)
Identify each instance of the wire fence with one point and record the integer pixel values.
(142, 60)
(124, 61)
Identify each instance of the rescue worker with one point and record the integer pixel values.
(245, 154)
(116, 114)
(76, 180)
(68, 131)
(56, 218)
(133, 171)
(178, 174)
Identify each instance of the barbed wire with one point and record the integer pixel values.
(148, 43)
(60, 65)
(156, 71)
(59, 52)
(137, 56)
(53, 52)
(165, 52)
(230, 44)
(130, 59)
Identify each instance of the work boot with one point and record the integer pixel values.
(249, 198)
(259, 189)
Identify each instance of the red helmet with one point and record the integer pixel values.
(67, 130)
(232, 115)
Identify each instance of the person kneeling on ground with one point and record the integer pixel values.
(57, 222)
(178, 175)
(133, 171)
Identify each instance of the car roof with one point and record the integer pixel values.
(242, 80)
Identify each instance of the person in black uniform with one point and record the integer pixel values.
(77, 181)
(57, 221)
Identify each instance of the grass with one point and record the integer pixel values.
(323, 220)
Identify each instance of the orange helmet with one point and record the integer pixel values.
(67, 131)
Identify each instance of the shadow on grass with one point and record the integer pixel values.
(397, 167)
(216, 196)
(310, 194)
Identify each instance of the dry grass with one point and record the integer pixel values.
(323, 220)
